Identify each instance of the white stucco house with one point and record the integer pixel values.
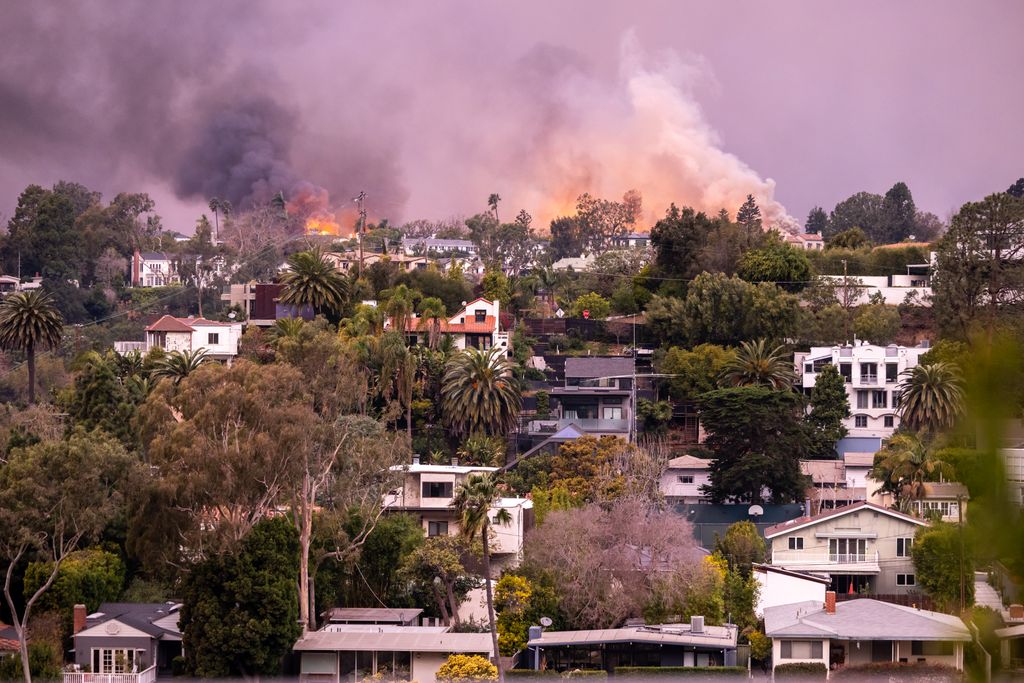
(477, 325)
(218, 339)
(778, 586)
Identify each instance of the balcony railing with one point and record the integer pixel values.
(853, 558)
(145, 676)
(801, 557)
(868, 380)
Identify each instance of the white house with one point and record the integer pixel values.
(894, 289)
(477, 325)
(872, 376)
(632, 240)
(808, 241)
(682, 479)
(863, 632)
(153, 269)
(427, 245)
(1013, 461)
(778, 586)
(219, 340)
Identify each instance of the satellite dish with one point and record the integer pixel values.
(545, 621)
(755, 511)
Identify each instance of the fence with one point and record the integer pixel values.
(145, 676)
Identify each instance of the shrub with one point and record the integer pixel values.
(178, 667)
(585, 673)
(801, 670)
(898, 672)
(459, 668)
(43, 663)
(679, 671)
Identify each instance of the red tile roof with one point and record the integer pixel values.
(169, 323)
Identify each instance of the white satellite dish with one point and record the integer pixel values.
(545, 621)
(755, 511)
(559, 313)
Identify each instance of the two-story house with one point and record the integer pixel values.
(219, 340)
(477, 325)
(872, 375)
(427, 492)
(597, 398)
(864, 548)
(153, 269)
(682, 480)
(136, 641)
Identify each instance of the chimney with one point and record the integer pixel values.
(136, 268)
(696, 624)
(79, 618)
(415, 459)
(455, 461)
(830, 602)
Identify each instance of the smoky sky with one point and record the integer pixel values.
(430, 107)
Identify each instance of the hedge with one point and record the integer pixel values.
(801, 670)
(550, 673)
(679, 671)
(585, 673)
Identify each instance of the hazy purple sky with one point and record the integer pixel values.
(429, 107)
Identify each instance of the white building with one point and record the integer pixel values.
(632, 240)
(808, 241)
(437, 245)
(894, 289)
(477, 325)
(153, 269)
(219, 340)
(872, 375)
(777, 586)
(1013, 460)
(682, 479)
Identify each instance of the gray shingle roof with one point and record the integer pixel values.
(862, 619)
(598, 367)
(140, 615)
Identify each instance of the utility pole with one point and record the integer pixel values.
(846, 303)
(360, 227)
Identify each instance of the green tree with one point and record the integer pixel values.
(89, 577)
(472, 504)
(742, 547)
(749, 217)
(596, 306)
(1017, 189)
(435, 569)
(899, 215)
(679, 240)
(432, 314)
(903, 466)
(566, 237)
(480, 394)
(829, 408)
(877, 323)
(654, 415)
(101, 397)
(55, 496)
(851, 238)
(937, 553)
(862, 210)
(495, 287)
(240, 613)
(693, 372)
(29, 321)
(521, 603)
(757, 439)
(817, 221)
(755, 364)
(313, 280)
(776, 262)
(177, 365)
(931, 398)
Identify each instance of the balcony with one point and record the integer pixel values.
(590, 425)
(868, 381)
(146, 676)
(811, 560)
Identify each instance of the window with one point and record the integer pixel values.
(437, 489)
(480, 315)
(437, 528)
(905, 580)
(889, 421)
(796, 542)
(808, 368)
(612, 413)
(846, 550)
(891, 373)
(931, 647)
(846, 370)
(685, 478)
(860, 421)
(880, 399)
(801, 649)
(869, 372)
(903, 546)
(862, 400)
(213, 338)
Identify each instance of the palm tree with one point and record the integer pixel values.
(903, 466)
(480, 395)
(177, 365)
(757, 365)
(473, 502)
(29, 320)
(931, 397)
(432, 312)
(287, 328)
(408, 368)
(492, 202)
(313, 280)
(400, 306)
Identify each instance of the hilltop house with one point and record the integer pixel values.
(596, 398)
(419, 246)
(872, 376)
(682, 480)
(427, 492)
(134, 640)
(863, 548)
(477, 325)
(862, 632)
(219, 340)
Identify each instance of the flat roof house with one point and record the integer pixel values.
(861, 632)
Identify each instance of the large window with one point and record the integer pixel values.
(612, 413)
(879, 399)
(868, 373)
(117, 660)
(801, 649)
(846, 550)
(903, 546)
(213, 338)
(796, 542)
(906, 580)
(932, 647)
(685, 478)
(892, 373)
(846, 370)
(437, 489)
(862, 399)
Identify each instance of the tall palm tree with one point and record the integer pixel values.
(313, 280)
(29, 320)
(931, 397)
(492, 202)
(903, 466)
(480, 394)
(432, 312)
(406, 378)
(177, 365)
(400, 306)
(756, 365)
(473, 502)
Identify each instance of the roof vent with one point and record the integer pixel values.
(696, 624)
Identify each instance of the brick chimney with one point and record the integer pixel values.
(79, 621)
(830, 602)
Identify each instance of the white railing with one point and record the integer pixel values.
(868, 380)
(799, 557)
(145, 676)
(123, 347)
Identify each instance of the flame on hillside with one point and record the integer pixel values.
(312, 205)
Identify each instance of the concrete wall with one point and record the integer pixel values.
(779, 589)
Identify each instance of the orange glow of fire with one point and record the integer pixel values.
(322, 225)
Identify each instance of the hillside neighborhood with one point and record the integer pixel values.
(454, 344)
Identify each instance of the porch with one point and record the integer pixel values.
(144, 676)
